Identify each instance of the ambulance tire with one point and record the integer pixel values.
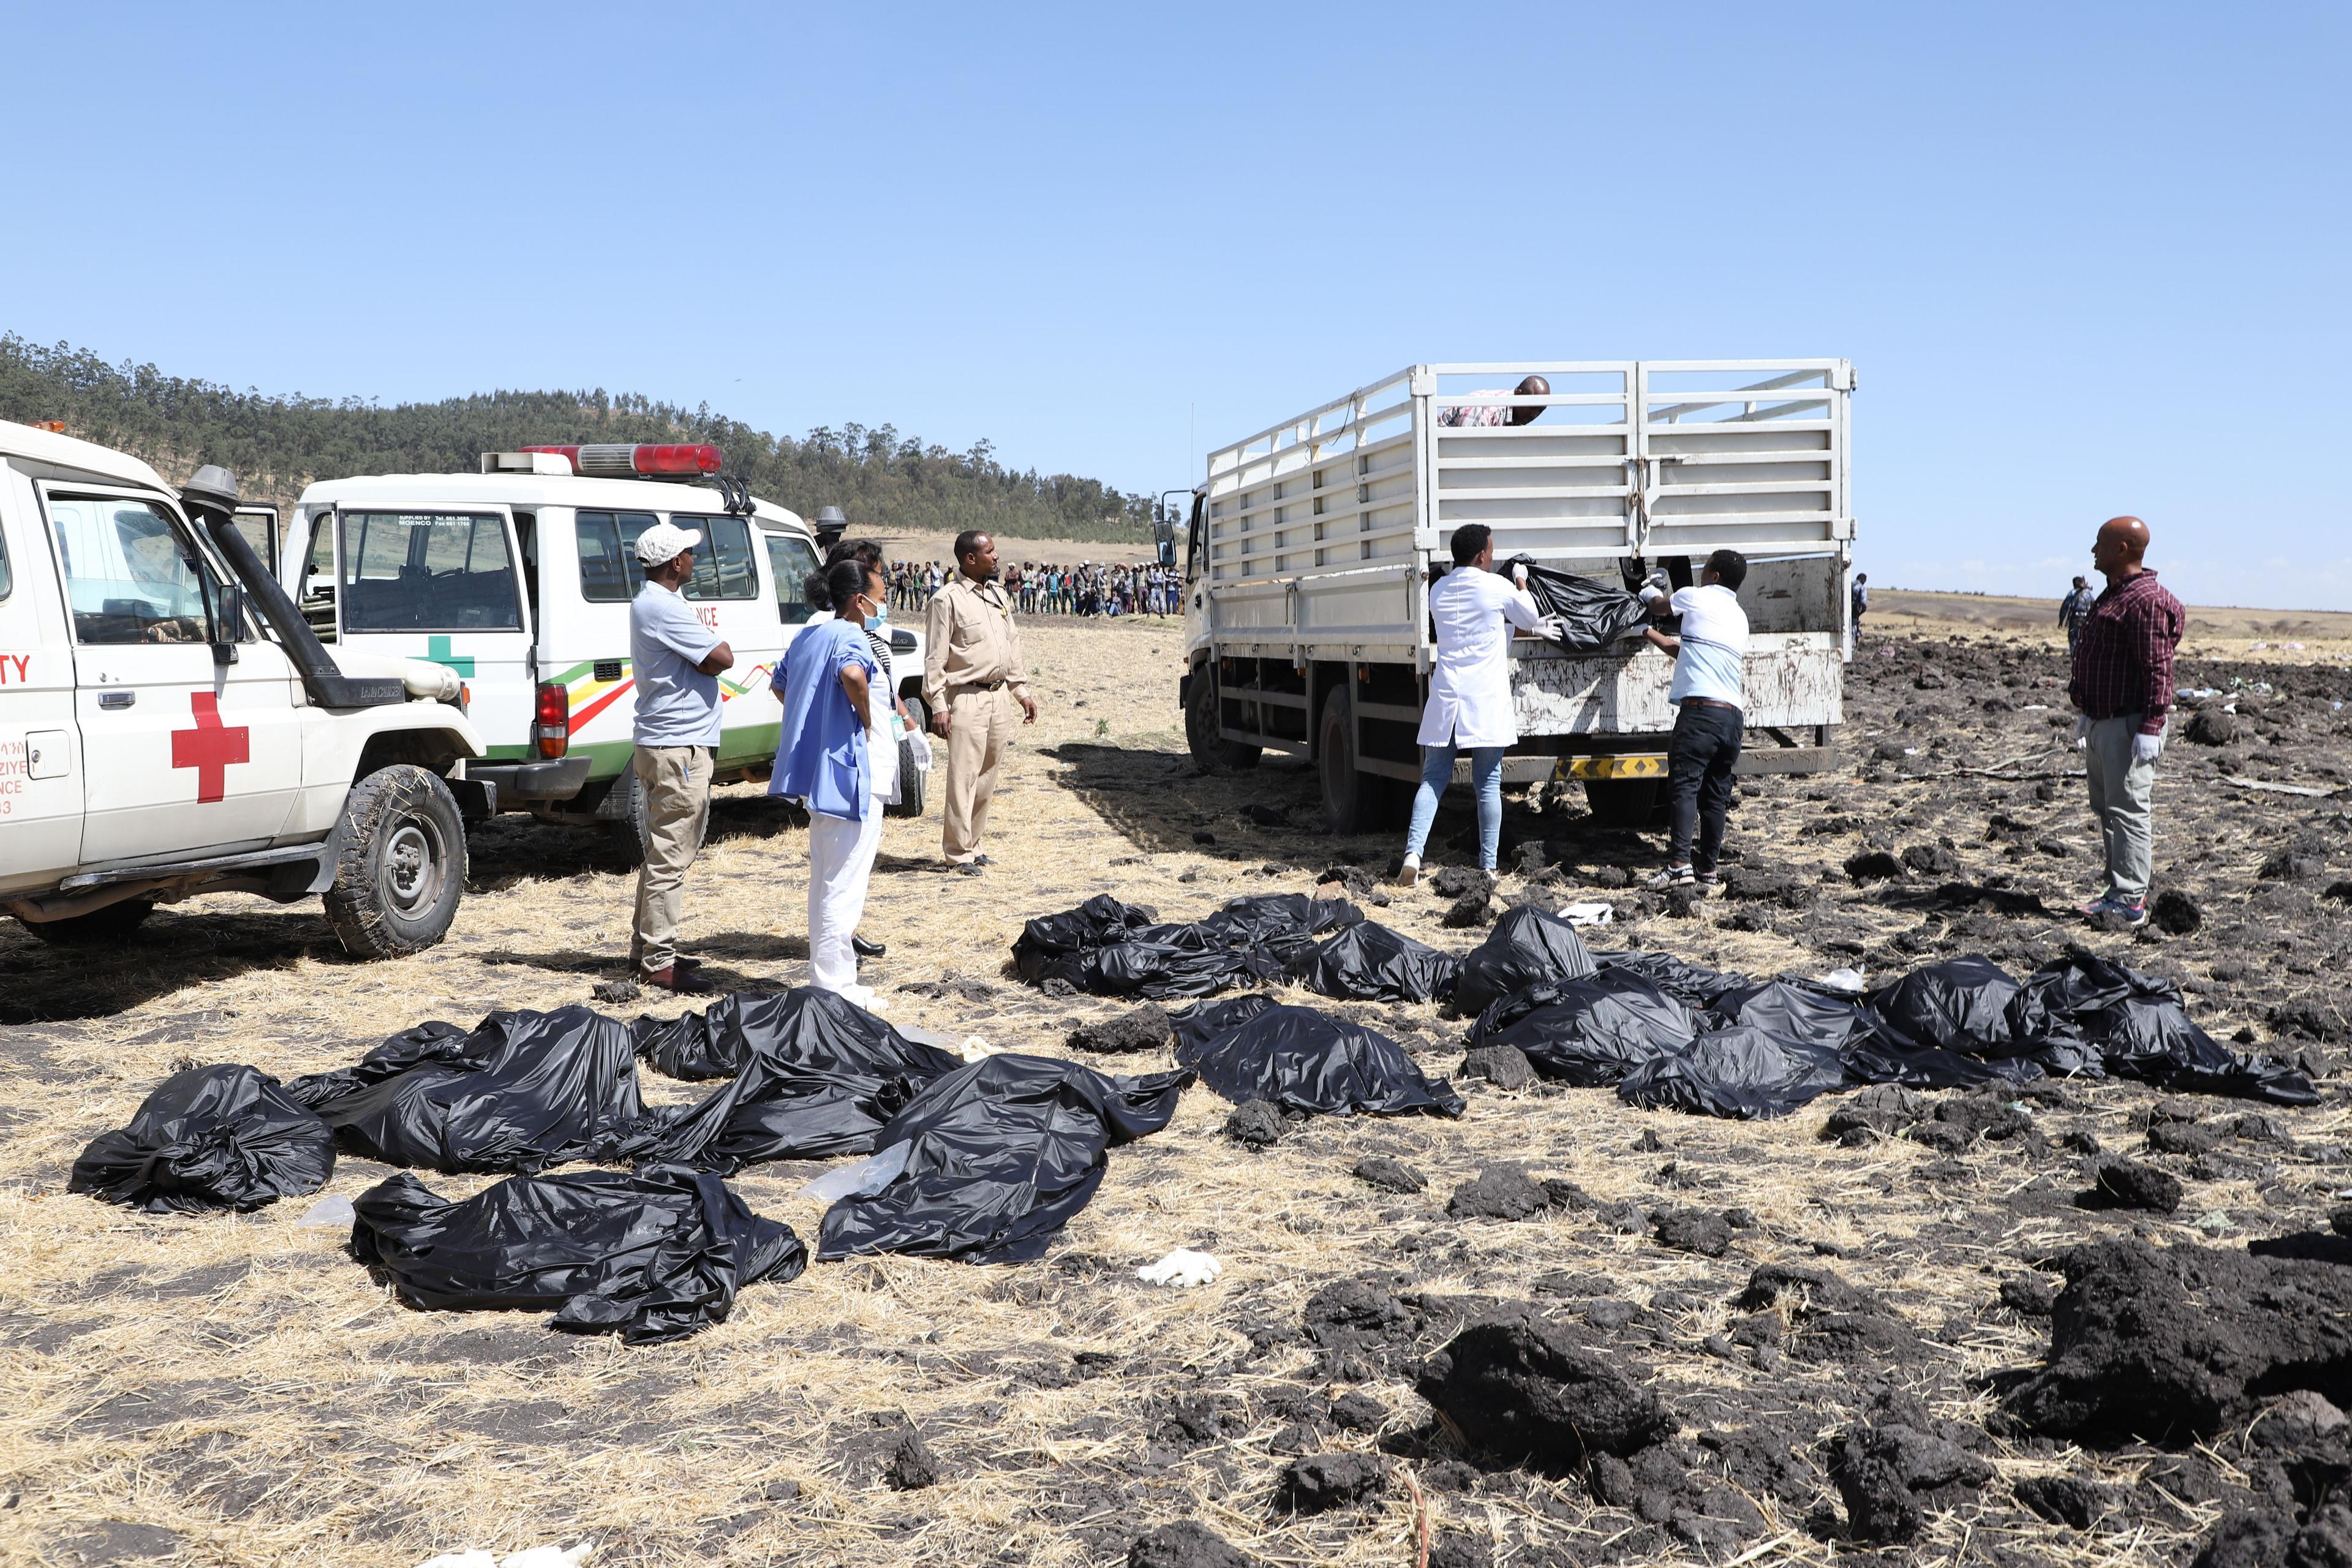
(911, 780)
(100, 928)
(401, 870)
(625, 819)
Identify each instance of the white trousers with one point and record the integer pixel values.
(841, 863)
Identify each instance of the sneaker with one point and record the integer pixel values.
(1409, 872)
(2133, 915)
(1671, 876)
(1710, 881)
(674, 977)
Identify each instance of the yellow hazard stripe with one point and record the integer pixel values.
(1651, 766)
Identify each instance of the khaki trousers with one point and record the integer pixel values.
(674, 792)
(980, 726)
(2123, 798)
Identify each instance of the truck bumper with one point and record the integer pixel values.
(1753, 759)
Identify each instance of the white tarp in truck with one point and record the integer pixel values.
(1313, 540)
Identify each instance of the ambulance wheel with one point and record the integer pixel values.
(402, 868)
(911, 780)
(1212, 753)
(625, 819)
(100, 928)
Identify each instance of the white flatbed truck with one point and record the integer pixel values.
(1311, 546)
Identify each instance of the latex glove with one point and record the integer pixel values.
(2081, 730)
(1552, 627)
(2146, 747)
(1661, 581)
(1652, 594)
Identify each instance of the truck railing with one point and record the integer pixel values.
(1636, 468)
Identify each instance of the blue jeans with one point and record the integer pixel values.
(1486, 781)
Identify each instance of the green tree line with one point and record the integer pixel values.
(883, 480)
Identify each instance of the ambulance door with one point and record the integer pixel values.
(443, 584)
(40, 761)
(189, 739)
(731, 595)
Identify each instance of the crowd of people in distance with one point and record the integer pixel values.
(1045, 588)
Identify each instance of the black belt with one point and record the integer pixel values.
(1710, 702)
(976, 686)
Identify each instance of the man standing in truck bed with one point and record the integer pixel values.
(972, 675)
(1710, 661)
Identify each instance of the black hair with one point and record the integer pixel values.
(864, 550)
(1730, 568)
(967, 542)
(832, 587)
(1469, 540)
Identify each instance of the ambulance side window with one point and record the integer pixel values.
(130, 577)
(318, 592)
(7, 581)
(437, 572)
(609, 573)
(792, 560)
(722, 567)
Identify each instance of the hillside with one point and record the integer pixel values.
(277, 445)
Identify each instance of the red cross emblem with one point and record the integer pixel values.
(210, 747)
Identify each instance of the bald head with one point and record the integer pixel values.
(1532, 387)
(2120, 548)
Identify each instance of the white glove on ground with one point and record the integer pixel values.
(2146, 747)
(1182, 1267)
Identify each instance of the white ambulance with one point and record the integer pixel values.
(519, 578)
(169, 726)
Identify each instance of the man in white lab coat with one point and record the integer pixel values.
(1469, 707)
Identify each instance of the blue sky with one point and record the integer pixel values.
(2087, 258)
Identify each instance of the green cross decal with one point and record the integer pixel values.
(437, 651)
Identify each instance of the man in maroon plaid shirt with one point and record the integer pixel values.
(2122, 687)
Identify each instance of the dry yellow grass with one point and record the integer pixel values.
(242, 1386)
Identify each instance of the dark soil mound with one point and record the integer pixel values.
(1520, 1387)
(2182, 1342)
(1144, 1029)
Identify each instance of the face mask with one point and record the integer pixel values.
(880, 617)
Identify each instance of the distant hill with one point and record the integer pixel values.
(882, 479)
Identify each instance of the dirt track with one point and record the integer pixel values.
(237, 1390)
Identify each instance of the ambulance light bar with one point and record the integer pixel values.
(649, 460)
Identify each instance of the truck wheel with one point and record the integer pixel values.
(1621, 803)
(402, 865)
(624, 818)
(1353, 801)
(100, 928)
(1212, 753)
(911, 781)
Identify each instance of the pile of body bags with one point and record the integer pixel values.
(1661, 1031)
(982, 1162)
(1669, 1034)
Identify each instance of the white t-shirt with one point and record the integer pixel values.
(1470, 689)
(1715, 645)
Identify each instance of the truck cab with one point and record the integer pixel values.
(167, 727)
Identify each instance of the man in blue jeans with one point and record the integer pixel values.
(1469, 707)
(1709, 691)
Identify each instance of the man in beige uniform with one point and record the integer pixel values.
(972, 675)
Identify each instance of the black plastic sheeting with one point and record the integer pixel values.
(1672, 1034)
(1527, 947)
(1739, 1071)
(1369, 963)
(1252, 1047)
(1591, 1031)
(1593, 613)
(209, 1138)
(519, 1093)
(653, 1256)
(1000, 1155)
(816, 1076)
(1110, 949)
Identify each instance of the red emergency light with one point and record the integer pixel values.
(622, 460)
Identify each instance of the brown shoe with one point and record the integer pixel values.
(676, 977)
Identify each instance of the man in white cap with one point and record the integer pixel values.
(675, 660)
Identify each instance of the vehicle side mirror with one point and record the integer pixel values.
(230, 629)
